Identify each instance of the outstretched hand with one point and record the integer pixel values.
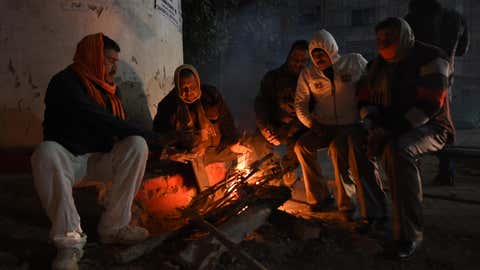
(240, 149)
(270, 136)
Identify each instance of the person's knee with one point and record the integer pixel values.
(137, 144)
(46, 152)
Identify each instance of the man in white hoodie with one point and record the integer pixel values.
(325, 102)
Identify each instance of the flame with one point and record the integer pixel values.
(242, 164)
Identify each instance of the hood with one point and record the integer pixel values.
(322, 39)
(407, 39)
(176, 77)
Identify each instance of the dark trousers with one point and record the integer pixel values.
(400, 163)
(366, 177)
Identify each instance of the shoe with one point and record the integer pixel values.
(328, 204)
(67, 259)
(407, 249)
(128, 235)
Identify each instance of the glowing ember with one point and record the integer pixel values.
(242, 210)
(161, 197)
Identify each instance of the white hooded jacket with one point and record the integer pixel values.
(335, 105)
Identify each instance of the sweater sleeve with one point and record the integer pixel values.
(431, 92)
(431, 95)
(302, 100)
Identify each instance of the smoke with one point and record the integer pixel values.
(258, 41)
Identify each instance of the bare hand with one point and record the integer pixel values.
(270, 136)
(181, 157)
(199, 149)
(240, 149)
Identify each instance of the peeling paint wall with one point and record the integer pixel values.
(38, 39)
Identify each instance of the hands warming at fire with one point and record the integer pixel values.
(240, 149)
(197, 151)
(270, 136)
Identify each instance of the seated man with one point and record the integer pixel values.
(275, 108)
(86, 137)
(199, 110)
(405, 107)
(326, 103)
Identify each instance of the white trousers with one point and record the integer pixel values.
(56, 171)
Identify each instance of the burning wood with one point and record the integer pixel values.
(227, 211)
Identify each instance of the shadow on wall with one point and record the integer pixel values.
(134, 97)
(143, 30)
(20, 129)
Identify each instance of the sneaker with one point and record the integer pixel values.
(67, 259)
(328, 204)
(125, 236)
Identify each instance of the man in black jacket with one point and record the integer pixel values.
(445, 28)
(404, 106)
(275, 109)
(86, 137)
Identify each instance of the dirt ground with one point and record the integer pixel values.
(293, 238)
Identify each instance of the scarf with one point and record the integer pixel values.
(88, 64)
(191, 116)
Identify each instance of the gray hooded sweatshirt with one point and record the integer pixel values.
(333, 103)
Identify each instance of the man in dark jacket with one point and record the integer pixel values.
(446, 29)
(275, 109)
(198, 110)
(86, 137)
(404, 106)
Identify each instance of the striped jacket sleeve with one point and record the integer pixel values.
(431, 94)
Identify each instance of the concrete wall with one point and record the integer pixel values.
(38, 39)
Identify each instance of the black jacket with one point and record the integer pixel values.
(74, 120)
(412, 88)
(274, 104)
